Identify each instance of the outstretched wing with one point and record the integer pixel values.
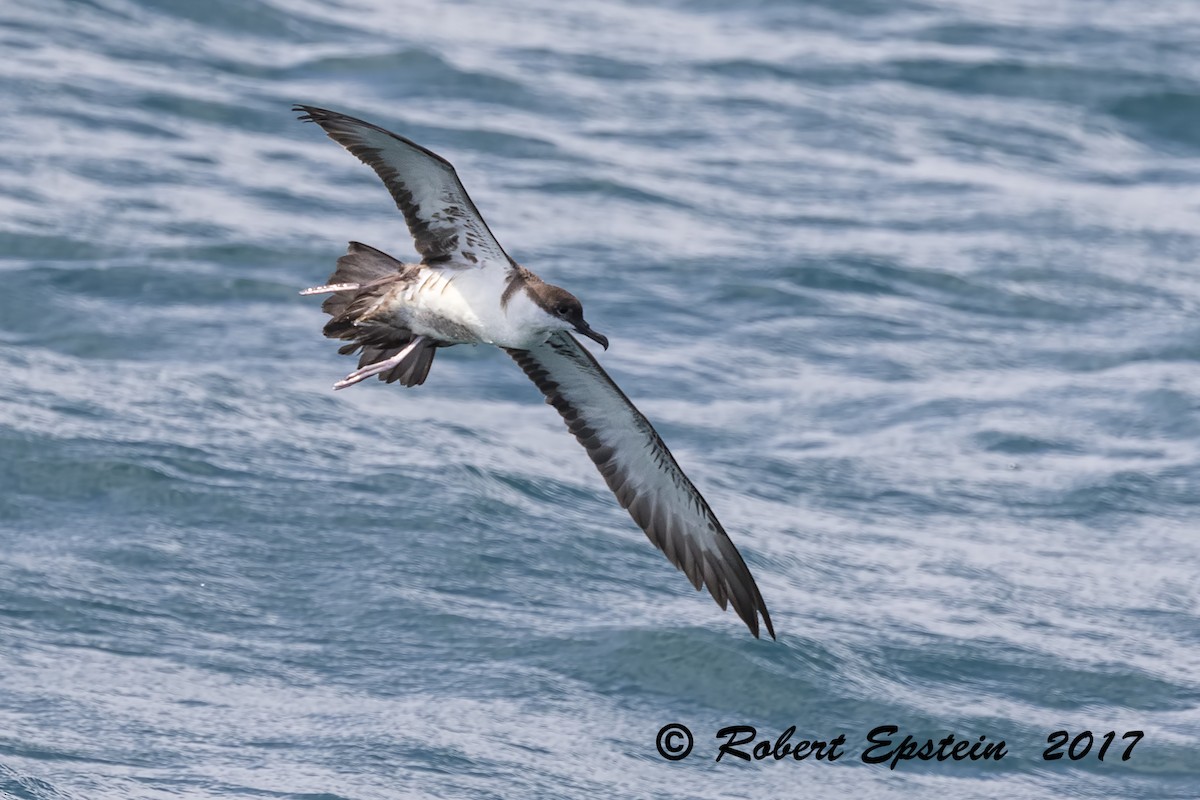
(642, 473)
(445, 225)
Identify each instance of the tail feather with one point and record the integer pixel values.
(356, 286)
(363, 264)
(415, 368)
(412, 371)
(360, 269)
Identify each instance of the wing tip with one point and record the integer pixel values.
(750, 612)
(337, 124)
(306, 112)
(766, 620)
(737, 583)
(323, 116)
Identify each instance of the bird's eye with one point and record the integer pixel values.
(564, 310)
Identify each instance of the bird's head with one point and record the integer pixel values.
(565, 312)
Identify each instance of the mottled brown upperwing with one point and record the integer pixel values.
(446, 227)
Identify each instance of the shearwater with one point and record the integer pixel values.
(467, 290)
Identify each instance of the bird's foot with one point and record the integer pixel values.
(363, 373)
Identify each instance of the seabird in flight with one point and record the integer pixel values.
(467, 290)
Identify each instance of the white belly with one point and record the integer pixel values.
(463, 307)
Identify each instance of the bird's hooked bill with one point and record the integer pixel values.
(586, 330)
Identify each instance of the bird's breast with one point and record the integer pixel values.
(464, 307)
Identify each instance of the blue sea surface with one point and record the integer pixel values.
(910, 288)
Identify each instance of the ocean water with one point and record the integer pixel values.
(909, 287)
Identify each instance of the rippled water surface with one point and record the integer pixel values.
(909, 287)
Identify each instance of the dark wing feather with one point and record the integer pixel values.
(446, 227)
(642, 473)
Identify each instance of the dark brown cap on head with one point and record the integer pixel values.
(558, 302)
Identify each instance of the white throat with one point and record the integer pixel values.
(528, 323)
